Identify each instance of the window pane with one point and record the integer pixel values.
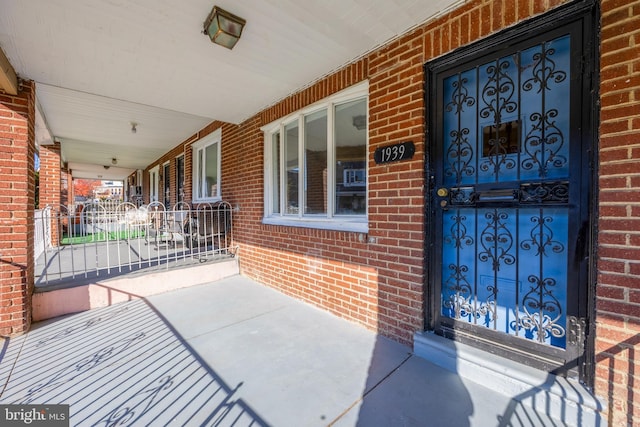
(211, 171)
(153, 187)
(292, 167)
(315, 151)
(351, 156)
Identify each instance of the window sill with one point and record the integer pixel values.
(209, 200)
(359, 225)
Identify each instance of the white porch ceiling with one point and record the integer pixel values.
(101, 64)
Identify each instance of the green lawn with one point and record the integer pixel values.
(102, 237)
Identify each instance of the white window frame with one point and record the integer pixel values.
(154, 173)
(214, 137)
(330, 221)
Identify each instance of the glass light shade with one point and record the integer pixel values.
(223, 28)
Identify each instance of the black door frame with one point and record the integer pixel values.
(586, 12)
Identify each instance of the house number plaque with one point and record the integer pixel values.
(395, 152)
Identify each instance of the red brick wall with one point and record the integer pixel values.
(376, 278)
(50, 184)
(17, 198)
(618, 290)
(339, 271)
(50, 176)
(145, 184)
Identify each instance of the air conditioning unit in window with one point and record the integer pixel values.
(354, 177)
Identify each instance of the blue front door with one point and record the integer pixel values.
(509, 194)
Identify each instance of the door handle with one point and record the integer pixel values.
(443, 192)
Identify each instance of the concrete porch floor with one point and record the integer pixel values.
(234, 352)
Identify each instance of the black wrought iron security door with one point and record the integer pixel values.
(508, 200)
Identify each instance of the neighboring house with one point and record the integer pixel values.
(111, 190)
(477, 177)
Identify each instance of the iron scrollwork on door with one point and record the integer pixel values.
(498, 95)
(545, 192)
(460, 152)
(505, 163)
(545, 140)
(542, 310)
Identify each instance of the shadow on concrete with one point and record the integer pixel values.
(122, 365)
(416, 393)
(201, 355)
(569, 401)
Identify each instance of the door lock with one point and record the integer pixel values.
(442, 192)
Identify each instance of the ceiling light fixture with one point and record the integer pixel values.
(223, 28)
(134, 127)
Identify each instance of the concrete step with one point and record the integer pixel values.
(76, 297)
(562, 399)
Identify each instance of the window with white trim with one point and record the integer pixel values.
(316, 164)
(206, 168)
(153, 183)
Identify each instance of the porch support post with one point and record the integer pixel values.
(50, 176)
(50, 184)
(17, 199)
(8, 77)
(66, 187)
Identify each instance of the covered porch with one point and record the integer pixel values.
(135, 92)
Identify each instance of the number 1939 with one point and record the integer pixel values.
(395, 152)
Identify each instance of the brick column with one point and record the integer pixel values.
(17, 199)
(66, 187)
(50, 175)
(50, 186)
